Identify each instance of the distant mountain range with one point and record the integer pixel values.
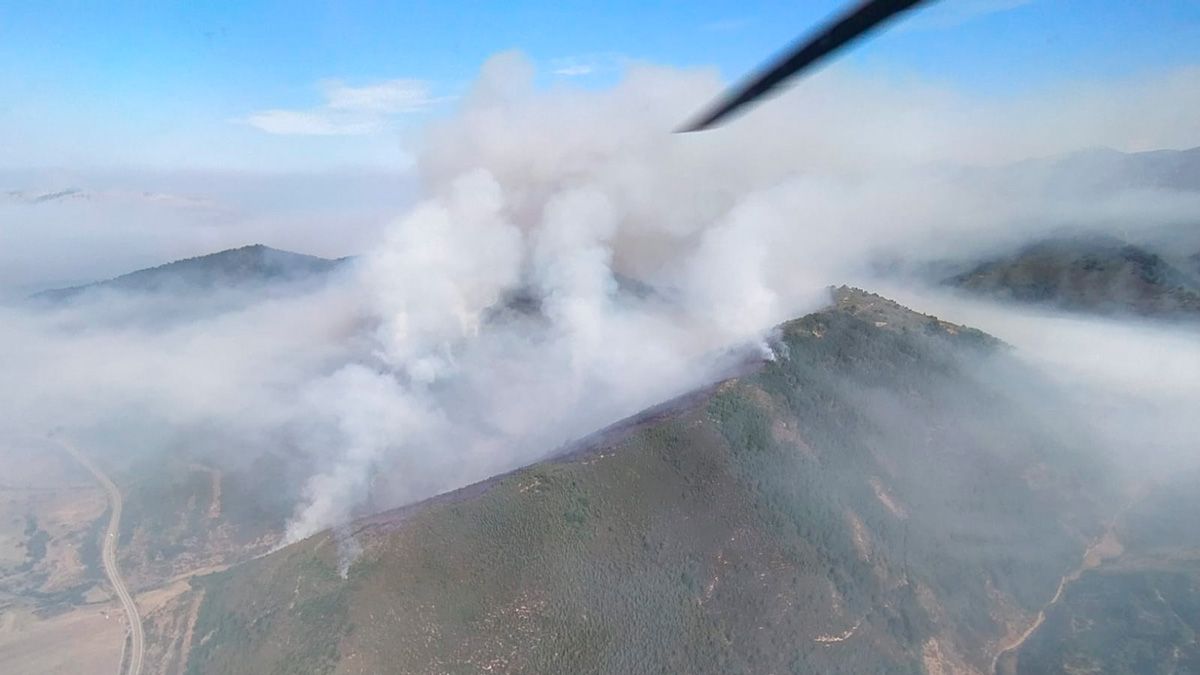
(1105, 169)
(1155, 273)
(1091, 274)
(1171, 169)
(247, 267)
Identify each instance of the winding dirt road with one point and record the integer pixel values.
(1103, 547)
(109, 556)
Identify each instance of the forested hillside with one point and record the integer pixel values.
(872, 500)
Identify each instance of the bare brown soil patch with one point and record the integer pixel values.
(80, 642)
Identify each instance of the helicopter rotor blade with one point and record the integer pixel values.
(807, 52)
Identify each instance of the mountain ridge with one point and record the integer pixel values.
(241, 267)
(1096, 274)
(824, 512)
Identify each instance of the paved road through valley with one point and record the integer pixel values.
(109, 555)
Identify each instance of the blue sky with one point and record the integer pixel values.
(301, 85)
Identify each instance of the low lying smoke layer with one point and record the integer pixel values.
(571, 262)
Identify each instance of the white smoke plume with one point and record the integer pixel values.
(570, 262)
(567, 193)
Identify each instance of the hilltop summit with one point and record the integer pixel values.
(233, 268)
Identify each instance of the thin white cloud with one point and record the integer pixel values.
(309, 123)
(574, 70)
(583, 65)
(347, 110)
(952, 13)
(727, 25)
(385, 98)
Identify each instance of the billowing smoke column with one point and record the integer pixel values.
(645, 253)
